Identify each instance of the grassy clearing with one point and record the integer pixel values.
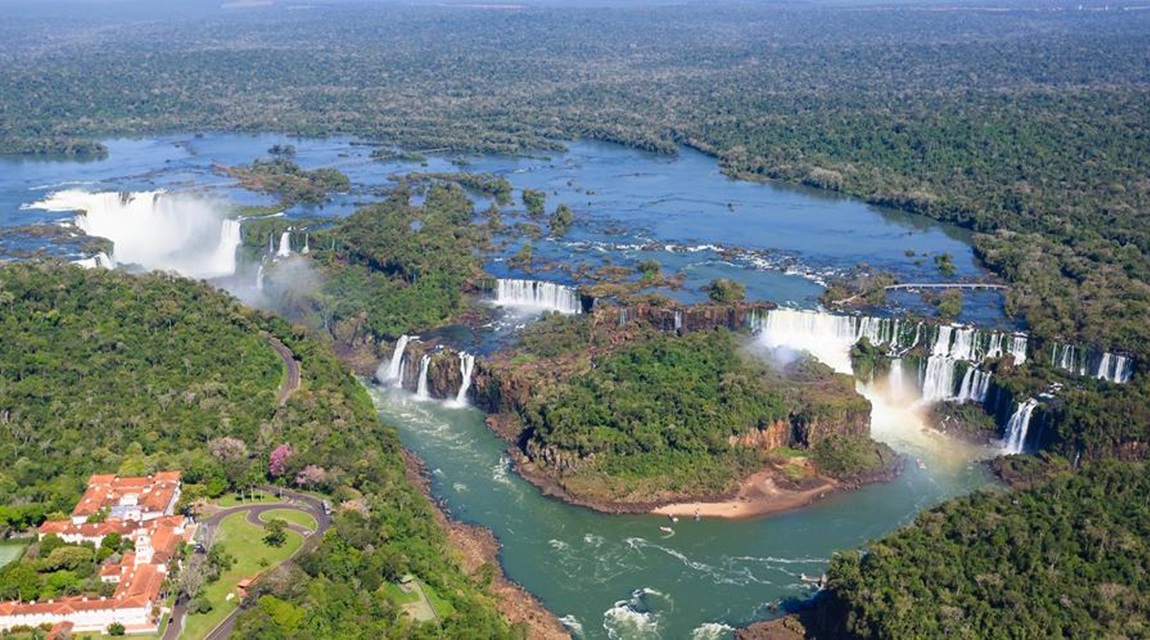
(11, 550)
(443, 608)
(399, 596)
(292, 516)
(245, 542)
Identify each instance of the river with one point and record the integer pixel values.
(606, 576)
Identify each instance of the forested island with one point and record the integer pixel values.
(632, 419)
(1026, 126)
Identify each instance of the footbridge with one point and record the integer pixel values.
(946, 285)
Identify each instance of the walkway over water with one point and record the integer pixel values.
(946, 285)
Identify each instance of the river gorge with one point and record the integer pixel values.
(164, 204)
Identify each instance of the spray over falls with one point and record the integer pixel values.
(391, 371)
(155, 230)
(929, 363)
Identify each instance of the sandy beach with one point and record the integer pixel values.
(758, 495)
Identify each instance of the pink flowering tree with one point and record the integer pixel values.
(277, 460)
(312, 476)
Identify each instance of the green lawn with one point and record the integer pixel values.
(400, 596)
(232, 500)
(11, 550)
(293, 516)
(245, 542)
(411, 601)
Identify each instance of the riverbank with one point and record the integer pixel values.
(757, 495)
(760, 494)
(479, 549)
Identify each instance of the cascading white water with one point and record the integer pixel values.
(100, 260)
(466, 368)
(535, 294)
(829, 338)
(1083, 362)
(975, 385)
(306, 247)
(271, 244)
(1015, 438)
(938, 379)
(678, 319)
(421, 389)
(285, 244)
(1115, 368)
(156, 230)
(394, 369)
(260, 278)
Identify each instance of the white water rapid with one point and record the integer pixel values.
(155, 230)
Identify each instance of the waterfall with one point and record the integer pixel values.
(1115, 368)
(230, 240)
(260, 278)
(1083, 362)
(306, 248)
(938, 379)
(394, 371)
(678, 319)
(975, 386)
(421, 389)
(829, 338)
(535, 294)
(99, 260)
(1015, 437)
(285, 244)
(271, 244)
(466, 367)
(156, 230)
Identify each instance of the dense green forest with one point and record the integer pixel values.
(390, 268)
(1066, 560)
(286, 179)
(656, 416)
(112, 373)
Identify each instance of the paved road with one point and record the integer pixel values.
(289, 500)
(291, 382)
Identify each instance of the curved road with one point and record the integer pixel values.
(291, 382)
(294, 500)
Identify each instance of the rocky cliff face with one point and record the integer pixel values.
(498, 387)
(775, 435)
(809, 428)
(444, 374)
(803, 431)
